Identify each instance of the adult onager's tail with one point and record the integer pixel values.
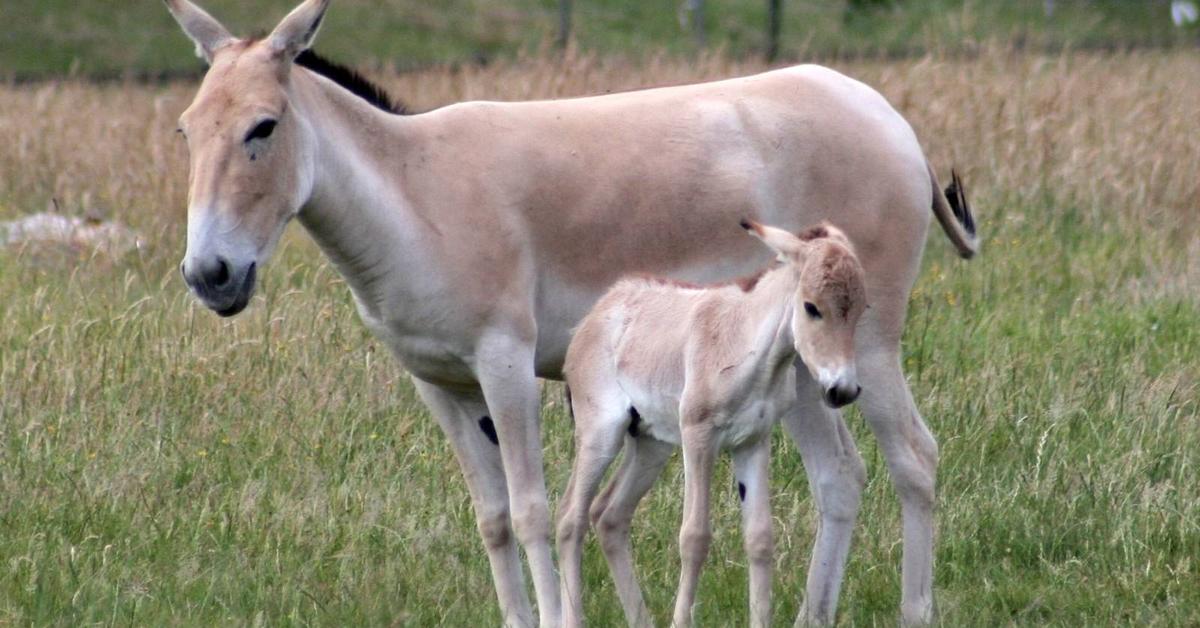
(954, 214)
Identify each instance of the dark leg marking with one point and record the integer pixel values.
(489, 429)
(570, 406)
(635, 419)
(741, 491)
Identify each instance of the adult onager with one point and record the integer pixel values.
(709, 368)
(474, 237)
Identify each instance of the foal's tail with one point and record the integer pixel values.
(954, 213)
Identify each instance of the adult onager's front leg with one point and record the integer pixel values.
(462, 416)
(506, 374)
(836, 477)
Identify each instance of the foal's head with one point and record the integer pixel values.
(830, 296)
(252, 164)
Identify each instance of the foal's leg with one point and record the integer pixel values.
(459, 413)
(836, 476)
(597, 441)
(695, 535)
(751, 466)
(912, 454)
(504, 366)
(612, 514)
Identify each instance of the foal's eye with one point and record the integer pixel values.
(812, 310)
(261, 131)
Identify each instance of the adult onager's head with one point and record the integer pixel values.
(830, 298)
(252, 157)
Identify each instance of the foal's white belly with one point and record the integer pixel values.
(743, 424)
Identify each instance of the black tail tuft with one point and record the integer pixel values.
(957, 195)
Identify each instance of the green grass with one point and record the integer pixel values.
(161, 466)
(59, 37)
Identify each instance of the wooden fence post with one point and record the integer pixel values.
(564, 23)
(695, 9)
(774, 25)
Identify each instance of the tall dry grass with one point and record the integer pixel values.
(1113, 135)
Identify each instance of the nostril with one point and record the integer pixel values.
(221, 276)
(838, 396)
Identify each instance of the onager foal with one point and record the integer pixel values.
(708, 368)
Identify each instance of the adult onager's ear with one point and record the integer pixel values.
(784, 243)
(207, 33)
(296, 32)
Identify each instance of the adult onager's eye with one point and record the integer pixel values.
(261, 131)
(812, 310)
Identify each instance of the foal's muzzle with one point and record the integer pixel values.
(220, 286)
(839, 394)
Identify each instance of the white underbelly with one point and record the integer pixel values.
(659, 417)
(752, 422)
(423, 356)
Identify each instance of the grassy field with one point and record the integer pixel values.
(59, 37)
(161, 466)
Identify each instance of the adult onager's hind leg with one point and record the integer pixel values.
(836, 476)
(912, 455)
(751, 465)
(506, 375)
(612, 516)
(459, 414)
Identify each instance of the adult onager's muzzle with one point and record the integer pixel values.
(222, 287)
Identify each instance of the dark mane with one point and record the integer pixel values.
(351, 80)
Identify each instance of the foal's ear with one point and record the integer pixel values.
(826, 230)
(784, 243)
(296, 32)
(205, 31)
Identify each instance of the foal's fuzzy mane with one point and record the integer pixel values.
(356, 83)
(746, 283)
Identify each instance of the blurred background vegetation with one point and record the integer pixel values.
(108, 39)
